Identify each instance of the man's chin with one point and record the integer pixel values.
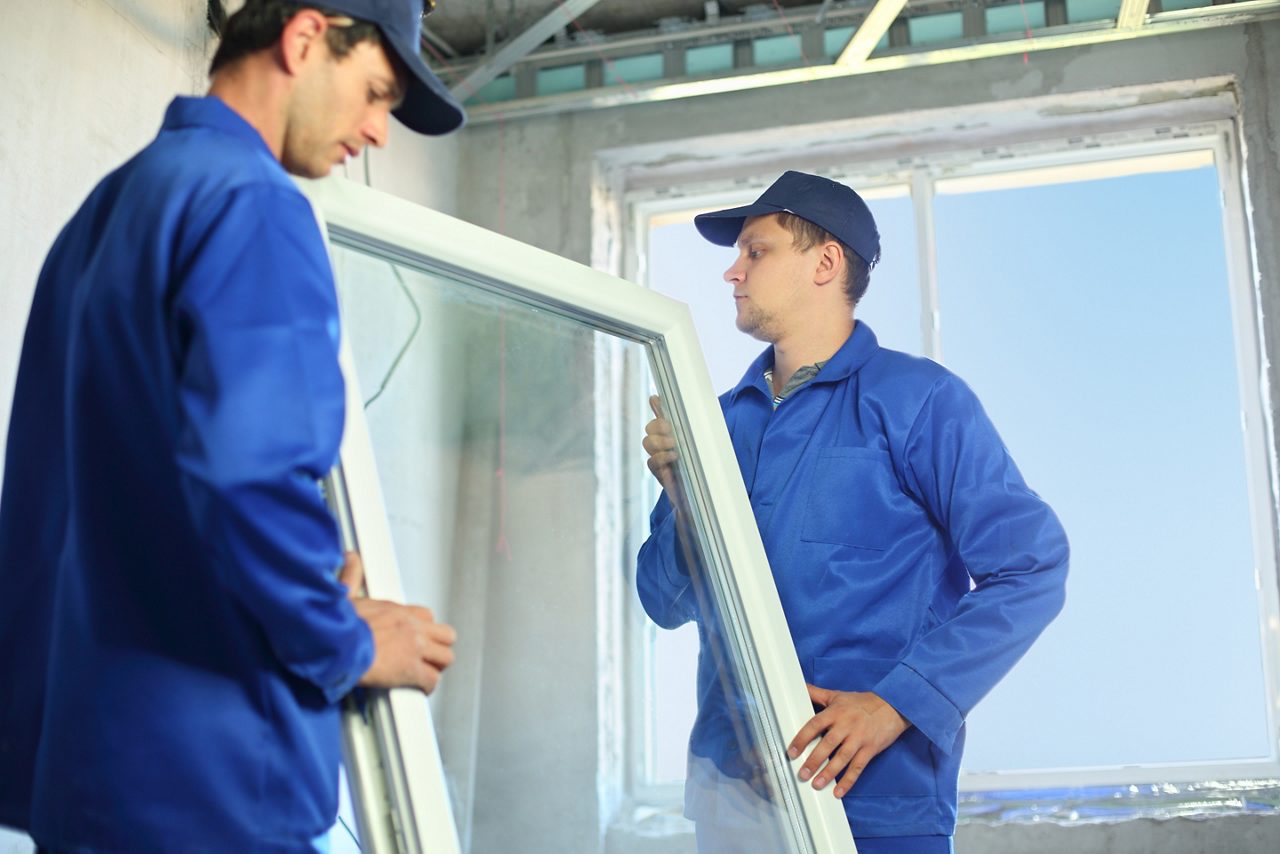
(756, 330)
(308, 170)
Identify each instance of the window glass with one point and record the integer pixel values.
(564, 78)
(501, 88)
(1093, 320)
(1015, 17)
(932, 29)
(482, 411)
(777, 50)
(1079, 11)
(633, 69)
(707, 59)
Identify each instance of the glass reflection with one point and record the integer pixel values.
(732, 791)
(483, 416)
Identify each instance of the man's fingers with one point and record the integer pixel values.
(435, 646)
(658, 443)
(443, 633)
(807, 734)
(352, 575)
(427, 678)
(662, 460)
(837, 762)
(410, 647)
(437, 655)
(820, 696)
(818, 756)
(856, 766)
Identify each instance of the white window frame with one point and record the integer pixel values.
(635, 186)
(394, 759)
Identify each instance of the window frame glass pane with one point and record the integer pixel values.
(401, 232)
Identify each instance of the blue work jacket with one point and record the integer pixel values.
(910, 558)
(172, 637)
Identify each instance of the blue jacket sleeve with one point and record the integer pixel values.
(662, 576)
(260, 418)
(1011, 544)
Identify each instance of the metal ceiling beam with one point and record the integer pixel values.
(698, 34)
(442, 45)
(520, 46)
(1133, 13)
(873, 28)
(1241, 12)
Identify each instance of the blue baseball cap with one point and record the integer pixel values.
(428, 106)
(823, 202)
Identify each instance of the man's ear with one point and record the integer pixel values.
(830, 263)
(300, 39)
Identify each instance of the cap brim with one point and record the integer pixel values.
(722, 227)
(428, 107)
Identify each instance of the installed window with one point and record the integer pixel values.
(1099, 303)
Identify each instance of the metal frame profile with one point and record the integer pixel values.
(405, 804)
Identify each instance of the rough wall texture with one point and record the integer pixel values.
(83, 84)
(1260, 92)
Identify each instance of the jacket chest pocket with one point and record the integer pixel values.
(854, 499)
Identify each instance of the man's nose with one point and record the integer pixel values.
(733, 275)
(375, 127)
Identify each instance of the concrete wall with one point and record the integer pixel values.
(532, 179)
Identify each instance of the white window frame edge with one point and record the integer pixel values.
(1211, 119)
(623, 309)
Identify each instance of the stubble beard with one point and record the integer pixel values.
(757, 324)
(305, 158)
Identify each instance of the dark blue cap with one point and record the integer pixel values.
(821, 201)
(428, 107)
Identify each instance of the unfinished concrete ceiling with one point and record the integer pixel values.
(510, 58)
(469, 25)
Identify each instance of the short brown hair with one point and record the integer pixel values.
(259, 23)
(805, 235)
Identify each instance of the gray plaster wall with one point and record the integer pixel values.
(532, 179)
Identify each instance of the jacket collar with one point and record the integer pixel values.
(856, 350)
(212, 113)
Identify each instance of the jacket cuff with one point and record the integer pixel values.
(927, 708)
(338, 683)
(662, 524)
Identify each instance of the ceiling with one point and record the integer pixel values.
(511, 58)
(468, 25)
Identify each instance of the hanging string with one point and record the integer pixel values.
(604, 60)
(782, 15)
(1026, 23)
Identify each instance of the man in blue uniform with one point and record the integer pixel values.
(914, 565)
(174, 641)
